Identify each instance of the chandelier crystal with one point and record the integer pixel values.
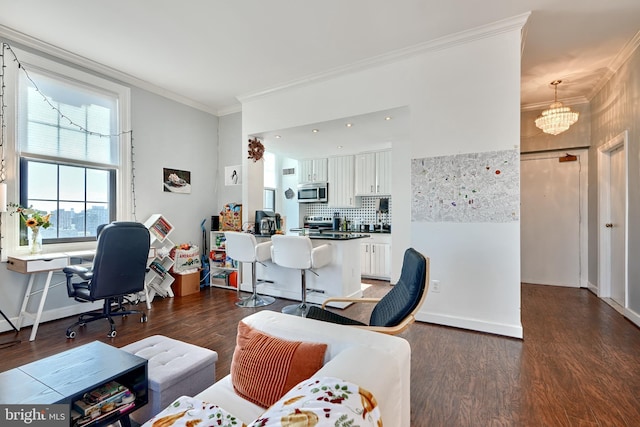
(557, 118)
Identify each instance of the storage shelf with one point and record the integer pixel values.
(158, 280)
(220, 263)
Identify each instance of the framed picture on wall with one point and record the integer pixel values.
(176, 181)
(233, 175)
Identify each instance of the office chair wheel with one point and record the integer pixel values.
(71, 334)
(82, 324)
(143, 318)
(112, 334)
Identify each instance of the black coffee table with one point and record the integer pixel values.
(65, 377)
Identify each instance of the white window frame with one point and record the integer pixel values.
(10, 223)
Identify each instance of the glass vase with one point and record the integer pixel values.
(35, 241)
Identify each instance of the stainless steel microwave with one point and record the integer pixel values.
(313, 192)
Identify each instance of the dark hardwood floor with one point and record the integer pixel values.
(578, 365)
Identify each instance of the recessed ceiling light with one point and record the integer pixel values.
(349, 125)
(315, 130)
(387, 118)
(339, 147)
(278, 137)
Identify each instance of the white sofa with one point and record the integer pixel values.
(374, 361)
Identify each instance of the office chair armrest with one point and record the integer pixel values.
(347, 299)
(82, 272)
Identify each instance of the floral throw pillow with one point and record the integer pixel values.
(189, 412)
(323, 401)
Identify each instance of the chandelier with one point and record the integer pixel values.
(557, 118)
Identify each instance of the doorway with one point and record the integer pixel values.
(612, 219)
(554, 218)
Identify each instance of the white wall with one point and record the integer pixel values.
(229, 153)
(614, 109)
(289, 208)
(463, 98)
(171, 135)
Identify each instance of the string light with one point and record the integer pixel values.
(2, 127)
(21, 67)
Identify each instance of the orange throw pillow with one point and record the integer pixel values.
(264, 368)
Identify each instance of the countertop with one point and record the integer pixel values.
(327, 235)
(343, 232)
(336, 235)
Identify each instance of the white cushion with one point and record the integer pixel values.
(222, 394)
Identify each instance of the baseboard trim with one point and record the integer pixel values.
(632, 316)
(55, 314)
(593, 288)
(513, 331)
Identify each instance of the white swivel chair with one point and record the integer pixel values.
(243, 247)
(298, 252)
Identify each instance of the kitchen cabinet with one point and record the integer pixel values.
(375, 257)
(373, 173)
(158, 281)
(312, 170)
(341, 178)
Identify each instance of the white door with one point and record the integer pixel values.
(550, 220)
(617, 224)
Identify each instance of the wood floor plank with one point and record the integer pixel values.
(577, 365)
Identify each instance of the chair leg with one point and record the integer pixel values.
(106, 313)
(12, 342)
(303, 308)
(255, 300)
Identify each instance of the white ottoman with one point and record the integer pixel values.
(175, 369)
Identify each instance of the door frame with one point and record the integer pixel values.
(604, 213)
(583, 179)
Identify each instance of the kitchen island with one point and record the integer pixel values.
(341, 278)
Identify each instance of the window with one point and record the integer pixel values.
(78, 198)
(71, 157)
(269, 199)
(270, 184)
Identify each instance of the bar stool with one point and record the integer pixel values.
(243, 247)
(298, 252)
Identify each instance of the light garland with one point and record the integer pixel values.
(3, 184)
(20, 66)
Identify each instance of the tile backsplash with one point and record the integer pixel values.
(362, 215)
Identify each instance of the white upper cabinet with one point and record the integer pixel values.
(312, 170)
(373, 173)
(342, 182)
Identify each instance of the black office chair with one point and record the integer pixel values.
(119, 269)
(395, 311)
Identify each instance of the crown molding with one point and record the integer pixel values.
(617, 62)
(441, 43)
(25, 40)
(231, 109)
(621, 57)
(575, 100)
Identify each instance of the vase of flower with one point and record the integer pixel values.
(35, 241)
(35, 221)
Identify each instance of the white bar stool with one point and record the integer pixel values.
(298, 252)
(243, 247)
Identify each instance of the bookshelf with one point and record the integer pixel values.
(158, 280)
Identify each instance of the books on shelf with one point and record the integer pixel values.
(102, 402)
(158, 268)
(161, 228)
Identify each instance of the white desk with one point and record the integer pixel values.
(41, 263)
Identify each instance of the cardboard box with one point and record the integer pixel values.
(186, 284)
